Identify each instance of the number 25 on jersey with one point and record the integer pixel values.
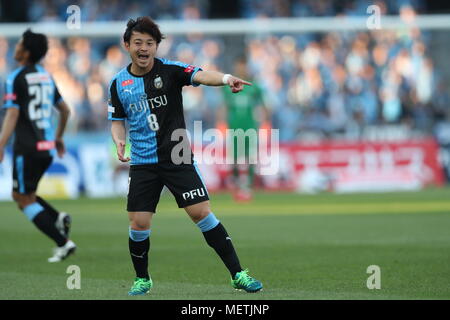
(40, 107)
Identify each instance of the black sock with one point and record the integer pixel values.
(44, 222)
(218, 239)
(50, 210)
(139, 256)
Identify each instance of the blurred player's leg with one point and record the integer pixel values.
(62, 220)
(40, 217)
(37, 214)
(51, 211)
(243, 170)
(27, 173)
(243, 192)
(63, 223)
(61, 253)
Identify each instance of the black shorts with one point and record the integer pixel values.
(28, 171)
(147, 181)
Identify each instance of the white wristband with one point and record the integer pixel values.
(225, 78)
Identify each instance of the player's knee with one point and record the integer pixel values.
(18, 199)
(140, 220)
(200, 213)
(15, 196)
(205, 212)
(140, 225)
(23, 200)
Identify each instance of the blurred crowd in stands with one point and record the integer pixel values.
(327, 84)
(55, 10)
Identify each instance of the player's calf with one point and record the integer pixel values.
(217, 238)
(63, 223)
(198, 211)
(41, 219)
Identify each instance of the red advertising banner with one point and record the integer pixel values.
(346, 167)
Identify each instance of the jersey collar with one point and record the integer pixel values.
(144, 75)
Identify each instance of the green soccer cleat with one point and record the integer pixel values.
(140, 286)
(242, 281)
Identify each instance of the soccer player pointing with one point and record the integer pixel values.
(147, 94)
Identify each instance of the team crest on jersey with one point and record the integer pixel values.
(158, 83)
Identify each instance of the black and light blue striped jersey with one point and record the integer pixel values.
(32, 90)
(152, 105)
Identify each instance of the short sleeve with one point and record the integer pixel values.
(11, 89)
(186, 73)
(183, 72)
(115, 107)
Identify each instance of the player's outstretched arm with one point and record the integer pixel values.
(9, 124)
(64, 113)
(215, 78)
(119, 136)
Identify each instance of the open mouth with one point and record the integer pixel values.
(143, 57)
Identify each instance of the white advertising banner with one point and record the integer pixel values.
(97, 171)
(6, 177)
(62, 179)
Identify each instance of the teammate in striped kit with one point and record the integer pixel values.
(147, 94)
(30, 97)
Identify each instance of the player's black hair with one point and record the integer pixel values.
(143, 25)
(36, 44)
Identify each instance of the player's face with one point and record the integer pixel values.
(20, 54)
(142, 49)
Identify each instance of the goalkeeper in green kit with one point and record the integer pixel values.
(245, 111)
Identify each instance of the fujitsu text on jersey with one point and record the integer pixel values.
(146, 104)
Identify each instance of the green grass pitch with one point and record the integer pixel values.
(299, 246)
